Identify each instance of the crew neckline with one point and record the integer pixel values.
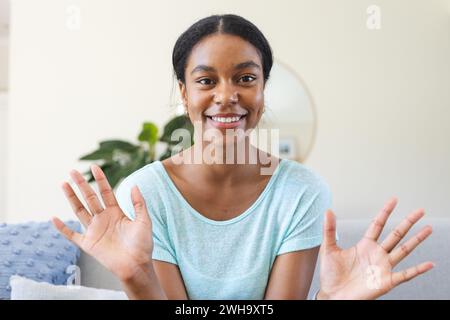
(241, 216)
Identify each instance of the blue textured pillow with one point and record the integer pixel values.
(35, 250)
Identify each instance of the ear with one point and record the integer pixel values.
(182, 88)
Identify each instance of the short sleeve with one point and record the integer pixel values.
(305, 229)
(162, 247)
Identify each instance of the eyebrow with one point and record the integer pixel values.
(242, 65)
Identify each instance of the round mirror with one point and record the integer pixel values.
(290, 109)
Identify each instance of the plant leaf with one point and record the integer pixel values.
(99, 154)
(166, 154)
(179, 122)
(149, 133)
(112, 173)
(118, 144)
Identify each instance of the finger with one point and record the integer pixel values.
(329, 230)
(401, 230)
(70, 235)
(88, 193)
(378, 223)
(139, 205)
(78, 208)
(410, 273)
(105, 189)
(399, 253)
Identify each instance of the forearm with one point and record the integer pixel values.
(143, 285)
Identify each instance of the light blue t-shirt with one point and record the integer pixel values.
(231, 259)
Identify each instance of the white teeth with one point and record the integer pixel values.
(226, 120)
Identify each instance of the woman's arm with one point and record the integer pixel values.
(144, 285)
(170, 278)
(291, 275)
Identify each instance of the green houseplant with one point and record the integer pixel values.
(118, 158)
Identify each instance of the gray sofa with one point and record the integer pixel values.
(433, 285)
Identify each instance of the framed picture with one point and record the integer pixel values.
(287, 148)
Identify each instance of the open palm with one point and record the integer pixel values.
(118, 243)
(365, 271)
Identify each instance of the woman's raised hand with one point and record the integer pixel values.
(365, 271)
(118, 243)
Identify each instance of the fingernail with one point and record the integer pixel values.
(73, 174)
(76, 176)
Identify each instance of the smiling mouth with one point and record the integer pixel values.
(227, 119)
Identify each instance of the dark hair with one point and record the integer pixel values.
(226, 24)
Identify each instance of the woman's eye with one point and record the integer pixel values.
(247, 78)
(205, 81)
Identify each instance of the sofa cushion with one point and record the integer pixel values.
(27, 289)
(35, 250)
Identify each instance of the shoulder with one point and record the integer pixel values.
(147, 179)
(304, 198)
(296, 176)
(140, 177)
(301, 192)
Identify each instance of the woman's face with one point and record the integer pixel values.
(224, 79)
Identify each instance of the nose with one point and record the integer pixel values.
(225, 94)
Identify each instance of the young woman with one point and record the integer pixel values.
(225, 231)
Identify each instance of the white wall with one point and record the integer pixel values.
(4, 63)
(3, 132)
(382, 96)
(4, 48)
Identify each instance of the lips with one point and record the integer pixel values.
(226, 125)
(226, 115)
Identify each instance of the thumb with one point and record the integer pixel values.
(139, 205)
(329, 230)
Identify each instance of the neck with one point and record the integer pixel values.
(214, 166)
